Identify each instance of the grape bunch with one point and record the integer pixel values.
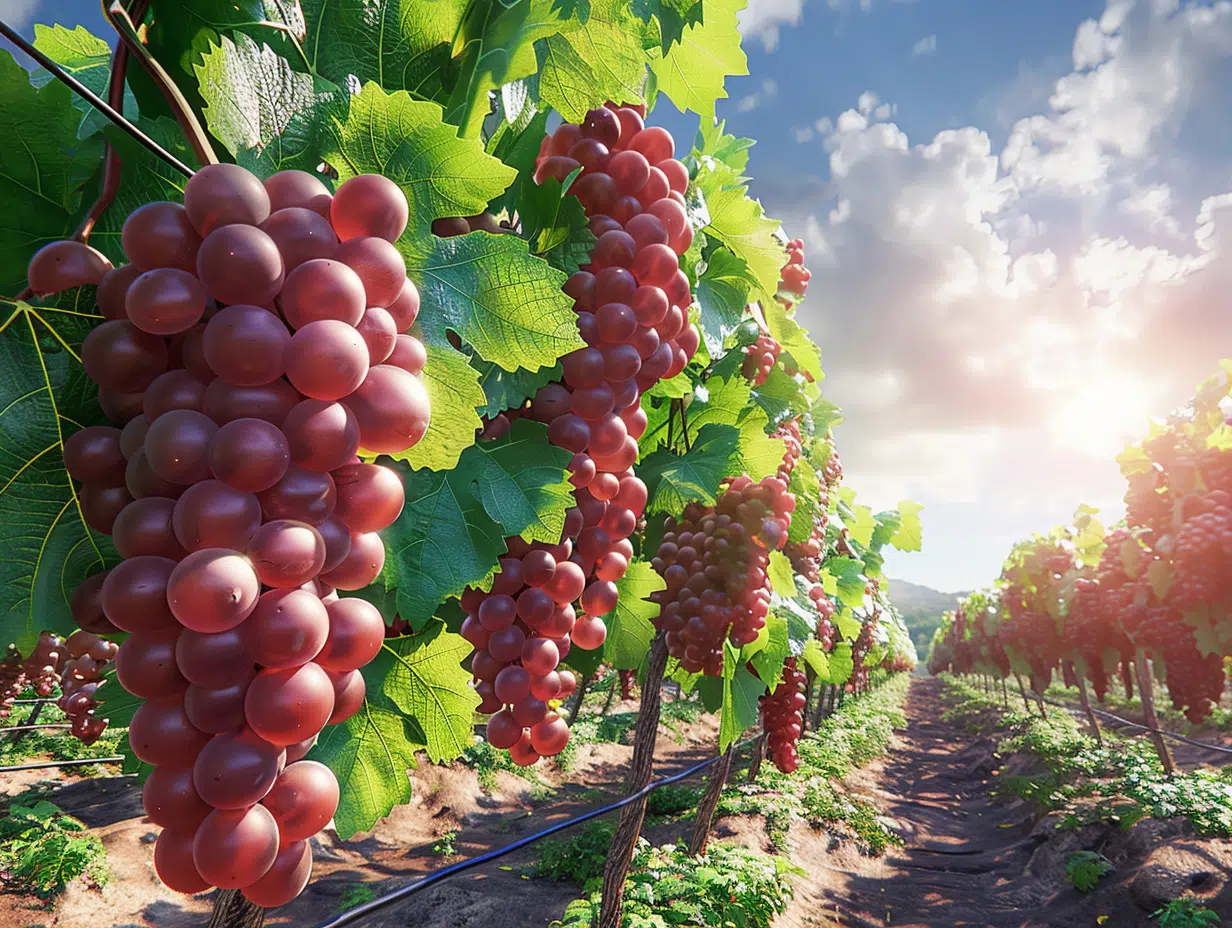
(632, 301)
(827, 631)
(36, 672)
(760, 358)
(1202, 552)
(794, 277)
(255, 343)
(833, 472)
(782, 717)
(793, 445)
(714, 562)
(89, 658)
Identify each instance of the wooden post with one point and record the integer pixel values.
(1023, 691)
(611, 693)
(759, 754)
(34, 717)
(629, 825)
(710, 803)
(1005, 695)
(810, 689)
(577, 702)
(1146, 691)
(231, 910)
(1086, 707)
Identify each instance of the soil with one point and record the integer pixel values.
(967, 859)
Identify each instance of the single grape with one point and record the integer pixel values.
(93, 456)
(289, 628)
(213, 589)
(170, 799)
(121, 357)
(549, 736)
(173, 861)
(160, 235)
(303, 800)
(271, 402)
(176, 389)
(165, 301)
(321, 435)
(369, 204)
(503, 730)
(285, 879)
(289, 189)
(327, 360)
(134, 595)
(286, 553)
(221, 194)
(286, 706)
(337, 538)
(322, 289)
(160, 733)
(245, 345)
(113, 288)
(234, 848)
(349, 691)
(250, 455)
(177, 446)
(145, 664)
(405, 308)
(379, 265)
(141, 480)
(362, 564)
(214, 660)
(211, 514)
(64, 265)
(356, 632)
(379, 332)
(236, 769)
(240, 264)
(303, 495)
(392, 409)
(370, 497)
(301, 235)
(409, 354)
(86, 606)
(216, 711)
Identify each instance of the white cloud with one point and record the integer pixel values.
(924, 46)
(768, 91)
(762, 18)
(19, 13)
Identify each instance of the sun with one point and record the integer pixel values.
(1101, 415)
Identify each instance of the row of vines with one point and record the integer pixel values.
(389, 369)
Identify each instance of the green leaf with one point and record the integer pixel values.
(825, 415)
(603, 60)
(45, 396)
(841, 665)
(509, 389)
(805, 486)
(502, 301)
(759, 454)
(860, 522)
(450, 534)
(782, 580)
(258, 106)
(425, 680)
(676, 480)
(555, 225)
(781, 397)
(629, 626)
(517, 145)
(794, 339)
(850, 581)
(43, 168)
(409, 142)
(692, 72)
(723, 295)
(910, 534)
(454, 391)
(741, 692)
(739, 223)
(87, 58)
(775, 649)
(817, 659)
(399, 44)
(847, 624)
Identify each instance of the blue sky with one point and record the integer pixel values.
(1019, 221)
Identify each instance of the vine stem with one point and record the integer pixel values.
(232, 910)
(120, 21)
(710, 802)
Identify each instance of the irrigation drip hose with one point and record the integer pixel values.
(85, 761)
(354, 915)
(9, 728)
(1221, 748)
(18, 702)
(92, 98)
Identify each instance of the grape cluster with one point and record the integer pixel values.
(760, 358)
(626, 684)
(632, 303)
(255, 343)
(793, 445)
(714, 561)
(89, 657)
(36, 672)
(782, 717)
(1202, 552)
(833, 472)
(794, 277)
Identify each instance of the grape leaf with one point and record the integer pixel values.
(773, 649)
(849, 582)
(502, 301)
(256, 104)
(781, 578)
(804, 484)
(555, 225)
(739, 223)
(722, 294)
(741, 692)
(847, 623)
(408, 141)
(840, 664)
(509, 389)
(603, 60)
(794, 340)
(630, 628)
(910, 534)
(450, 534)
(399, 44)
(426, 681)
(86, 57)
(860, 522)
(692, 72)
(781, 396)
(817, 659)
(676, 480)
(45, 396)
(43, 168)
(517, 145)
(454, 392)
(759, 454)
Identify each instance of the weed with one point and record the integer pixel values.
(42, 849)
(1084, 870)
(1185, 913)
(444, 845)
(355, 895)
(579, 858)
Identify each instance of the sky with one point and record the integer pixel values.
(1018, 215)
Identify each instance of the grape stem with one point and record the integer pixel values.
(231, 910)
(120, 21)
(92, 98)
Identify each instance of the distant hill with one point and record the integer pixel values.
(921, 608)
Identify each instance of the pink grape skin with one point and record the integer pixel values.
(250, 455)
(221, 194)
(160, 234)
(337, 539)
(144, 527)
(101, 506)
(176, 389)
(170, 799)
(160, 733)
(349, 692)
(134, 595)
(211, 514)
(286, 553)
(285, 879)
(322, 435)
(409, 354)
(303, 495)
(177, 446)
(588, 633)
(288, 628)
(236, 769)
(216, 711)
(370, 497)
(322, 289)
(503, 731)
(380, 267)
(173, 861)
(303, 800)
(379, 332)
(246, 345)
(540, 656)
(550, 736)
(392, 409)
(271, 402)
(405, 308)
(506, 645)
(545, 687)
(356, 633)
(529, 711)
(119, 356)
(240, 264)
(522, 751)
(290, 189)
(214, 660)
(286, 706)
(512, 685)
(165, 301)
(369, 204)
(361, 565)
(327, 360)
(213, 590)
(234, 848)
(300, 749)
(301, 235)
(145, 664)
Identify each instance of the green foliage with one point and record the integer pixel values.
(673, 799)
(56, 743)
(581, 857)
(355, 895)
(444, 846)
(1185, 913)
(1084, 870)
(42, 849)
